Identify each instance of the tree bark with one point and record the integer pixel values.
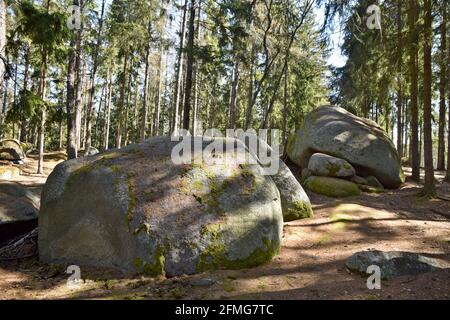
(158, 92)
(146, 84)
(42, 94)
(179, 74)
(108, 112)
(442, 88)
(414, 145)
(429, 187)
(234, 94)
(399, 102)
(122, 102)
(92, 82)
(2, 43)
(189, 67)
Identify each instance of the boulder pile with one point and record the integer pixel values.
(342, 154)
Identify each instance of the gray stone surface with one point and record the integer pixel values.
(295, 202)
(135, 210)
(17, 204)
(324, 165)
(393, 264)
(11, 150)
(337, 132)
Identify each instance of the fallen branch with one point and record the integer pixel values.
(21, 248)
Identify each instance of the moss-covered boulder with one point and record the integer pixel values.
(8, 172)
(11, 150)
(294, 200)
(134, 209)
(332, 187)
(327, 166)
(337, 132)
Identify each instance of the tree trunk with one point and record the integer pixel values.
(146, 84)
(108, 112)
(249, 111)
(122, 102)
(234, 94)
(72, 149)
(158, 92)
(23, 125)
(399, 79)
(92, 82)
(179, 73)
(42, 94)
(2, 43)
(429, 187)
(414, 145)
(189, 67)
(285, 107)
(442, 88)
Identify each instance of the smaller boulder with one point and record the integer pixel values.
(90, 152)
(393, 264)
(373, 182)
(324, 165)
(11, 150)
(19, 208)
(332, 187)
(359, 180)
(295, 203)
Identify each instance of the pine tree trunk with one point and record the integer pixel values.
(414, 145)
(122, 102)
(158, 92)
(92, 82)
(429, 187)
(249, 111)
(399, 79)
(42, 94)
(108, 112)
(146, 85)
(179, 74)
(234, 94)
(442, 89)
(72, 149)
(2, 44)
(189, 67)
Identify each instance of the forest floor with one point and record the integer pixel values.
(311, 264)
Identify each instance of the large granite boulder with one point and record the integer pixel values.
(394, 263)
(324, 165)
(11, 150)
(19, 207)
(295, 202)
(337, 132)
(137, 210)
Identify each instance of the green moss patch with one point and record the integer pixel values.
(297, 210)
(215, 256)
(332, 187)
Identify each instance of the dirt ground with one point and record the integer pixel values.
(311, 264)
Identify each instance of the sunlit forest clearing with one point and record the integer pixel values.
(97, 98)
